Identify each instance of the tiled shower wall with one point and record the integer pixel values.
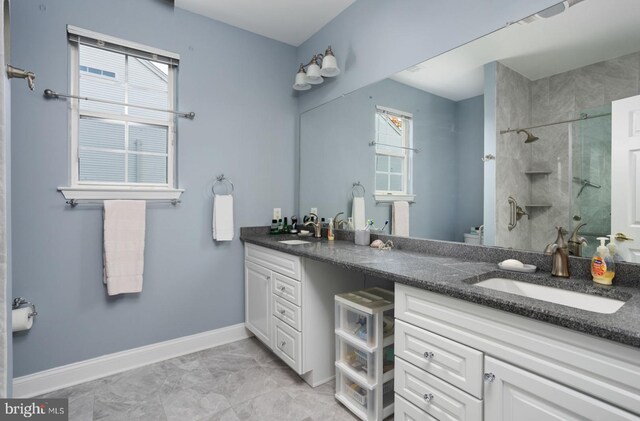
(513, 110)
(554, 98)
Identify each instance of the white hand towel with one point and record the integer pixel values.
(358, 213)
(124, 231)
(223, 217)
(400, 218)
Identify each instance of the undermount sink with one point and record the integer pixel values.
(573, 299)
(294, 242)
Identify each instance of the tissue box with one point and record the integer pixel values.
(362, 237)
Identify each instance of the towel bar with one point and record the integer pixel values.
(75, 202)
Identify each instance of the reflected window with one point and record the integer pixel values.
(393, 152)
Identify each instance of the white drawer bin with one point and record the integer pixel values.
(355, 316)
(362, 364)
(360, 399)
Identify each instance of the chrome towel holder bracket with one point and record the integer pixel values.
(220, 183)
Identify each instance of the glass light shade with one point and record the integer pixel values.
(329, 66)
(313, 74)
(301, 82)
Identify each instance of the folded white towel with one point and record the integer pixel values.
(358, 213)
(400, 218)
(223, 217)
(124, 231)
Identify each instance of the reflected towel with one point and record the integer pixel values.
(123, 257)
(358, 213)
(400, 218)
(223, 217)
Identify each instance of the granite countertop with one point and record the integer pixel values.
(455, 277)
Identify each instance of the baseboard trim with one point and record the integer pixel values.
(68, 375)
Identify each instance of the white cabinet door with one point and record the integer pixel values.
(257, 284)
(516, 394)
(625, 175)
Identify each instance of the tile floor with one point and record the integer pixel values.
(238, 381)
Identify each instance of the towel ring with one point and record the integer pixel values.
(222, 182)
(357, 188)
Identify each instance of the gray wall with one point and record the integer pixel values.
(469, 124)
(490, 137)
(245, 126)
(335, 152)
(373, 40)
(5, 216)
(447, 170)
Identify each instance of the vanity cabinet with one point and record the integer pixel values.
(257, 289)
(456, 360)
(289, 306)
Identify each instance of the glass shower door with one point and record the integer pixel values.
(591, 177)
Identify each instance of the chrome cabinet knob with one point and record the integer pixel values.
(428, 397)
(282, 344)
(489, 377)
(267, 277)
(428, 355)
(282, 288)
(282, 311)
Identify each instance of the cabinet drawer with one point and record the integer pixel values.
(405, 411)
(283, 263)
(287, 344)
(434, 396)
(287, 312)
(287, 288)
(451, 361)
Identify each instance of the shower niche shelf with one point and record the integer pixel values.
(538, 172)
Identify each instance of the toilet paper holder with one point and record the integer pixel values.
(19, 302)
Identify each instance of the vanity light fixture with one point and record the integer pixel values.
(320, 65)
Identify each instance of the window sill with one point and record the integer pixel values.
(115, 193)
(383, 198)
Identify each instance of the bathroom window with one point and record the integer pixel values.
(393, 138)
(129, 148)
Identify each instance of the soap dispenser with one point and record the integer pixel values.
(602, 266)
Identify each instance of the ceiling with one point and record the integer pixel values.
(288, 21)
(588, 32)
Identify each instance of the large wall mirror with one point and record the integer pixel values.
(525, 129)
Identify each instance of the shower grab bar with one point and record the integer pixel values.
(515, 213)
(51, 94)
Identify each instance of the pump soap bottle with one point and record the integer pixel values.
(602, 266)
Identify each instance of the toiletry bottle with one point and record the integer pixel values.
(280, 226)
(602, 266)
(285, 226)
(274, 226)
(613, 249)
(330, 230)
(294, 225)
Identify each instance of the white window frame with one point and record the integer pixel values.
(114, 190)
(406, 153)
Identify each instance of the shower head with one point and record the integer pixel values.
(530, 137)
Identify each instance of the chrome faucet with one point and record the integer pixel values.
(315, 223)
(575, 242)
(559, 251)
